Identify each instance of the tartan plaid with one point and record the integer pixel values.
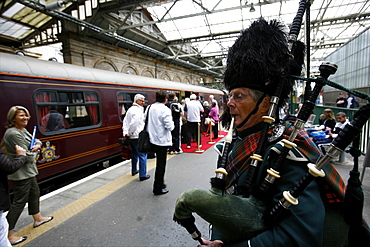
(333, 186)
(238, 161)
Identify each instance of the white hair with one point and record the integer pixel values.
(193, 96)
(138, 97)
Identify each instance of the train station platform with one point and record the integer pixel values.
(113, 208)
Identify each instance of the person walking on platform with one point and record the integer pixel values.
(176, 111)
(193, 109)
(214, 115)
(205, 115)
(7, 167)
(25, 186)
(159, 127)
(132, 125)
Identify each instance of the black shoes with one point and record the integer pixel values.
(162, 192)
(144, 178)
(134, 173)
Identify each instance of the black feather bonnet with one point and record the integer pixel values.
(260, 59)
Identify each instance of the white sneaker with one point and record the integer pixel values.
(188, 147)
(171, 152)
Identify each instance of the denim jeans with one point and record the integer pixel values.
(137, 156)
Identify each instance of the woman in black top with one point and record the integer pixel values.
(203, 116)
(8, 166)
(327, 120)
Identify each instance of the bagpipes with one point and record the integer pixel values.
(238, 218)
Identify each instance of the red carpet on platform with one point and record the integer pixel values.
(205, 144)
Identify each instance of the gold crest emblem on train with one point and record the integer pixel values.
(48, 153)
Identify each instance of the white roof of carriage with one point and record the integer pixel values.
(21, 65)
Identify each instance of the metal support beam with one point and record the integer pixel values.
(61, 15)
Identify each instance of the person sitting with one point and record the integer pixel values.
(332, 134)
(327, 123)
(54, 120)
(327, 120)
(342, 121)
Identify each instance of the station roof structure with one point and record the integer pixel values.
(195, 34)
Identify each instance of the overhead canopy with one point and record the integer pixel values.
(195, 34)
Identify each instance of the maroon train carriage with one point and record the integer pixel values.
(90, 101)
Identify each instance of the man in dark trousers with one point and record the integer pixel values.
(159, 127)
(176, 111)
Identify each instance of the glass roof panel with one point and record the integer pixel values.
(12, 29)
(215, 16)
(13, 10)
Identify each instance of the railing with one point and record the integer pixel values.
(365, 134)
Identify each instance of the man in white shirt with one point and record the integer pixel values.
(342, 121)
(159, 127)
(333, 133)
(193, 109)
(132, 125)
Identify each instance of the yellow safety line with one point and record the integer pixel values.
(79, 205)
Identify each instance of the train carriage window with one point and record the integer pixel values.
(125, 101)
(66, 110)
